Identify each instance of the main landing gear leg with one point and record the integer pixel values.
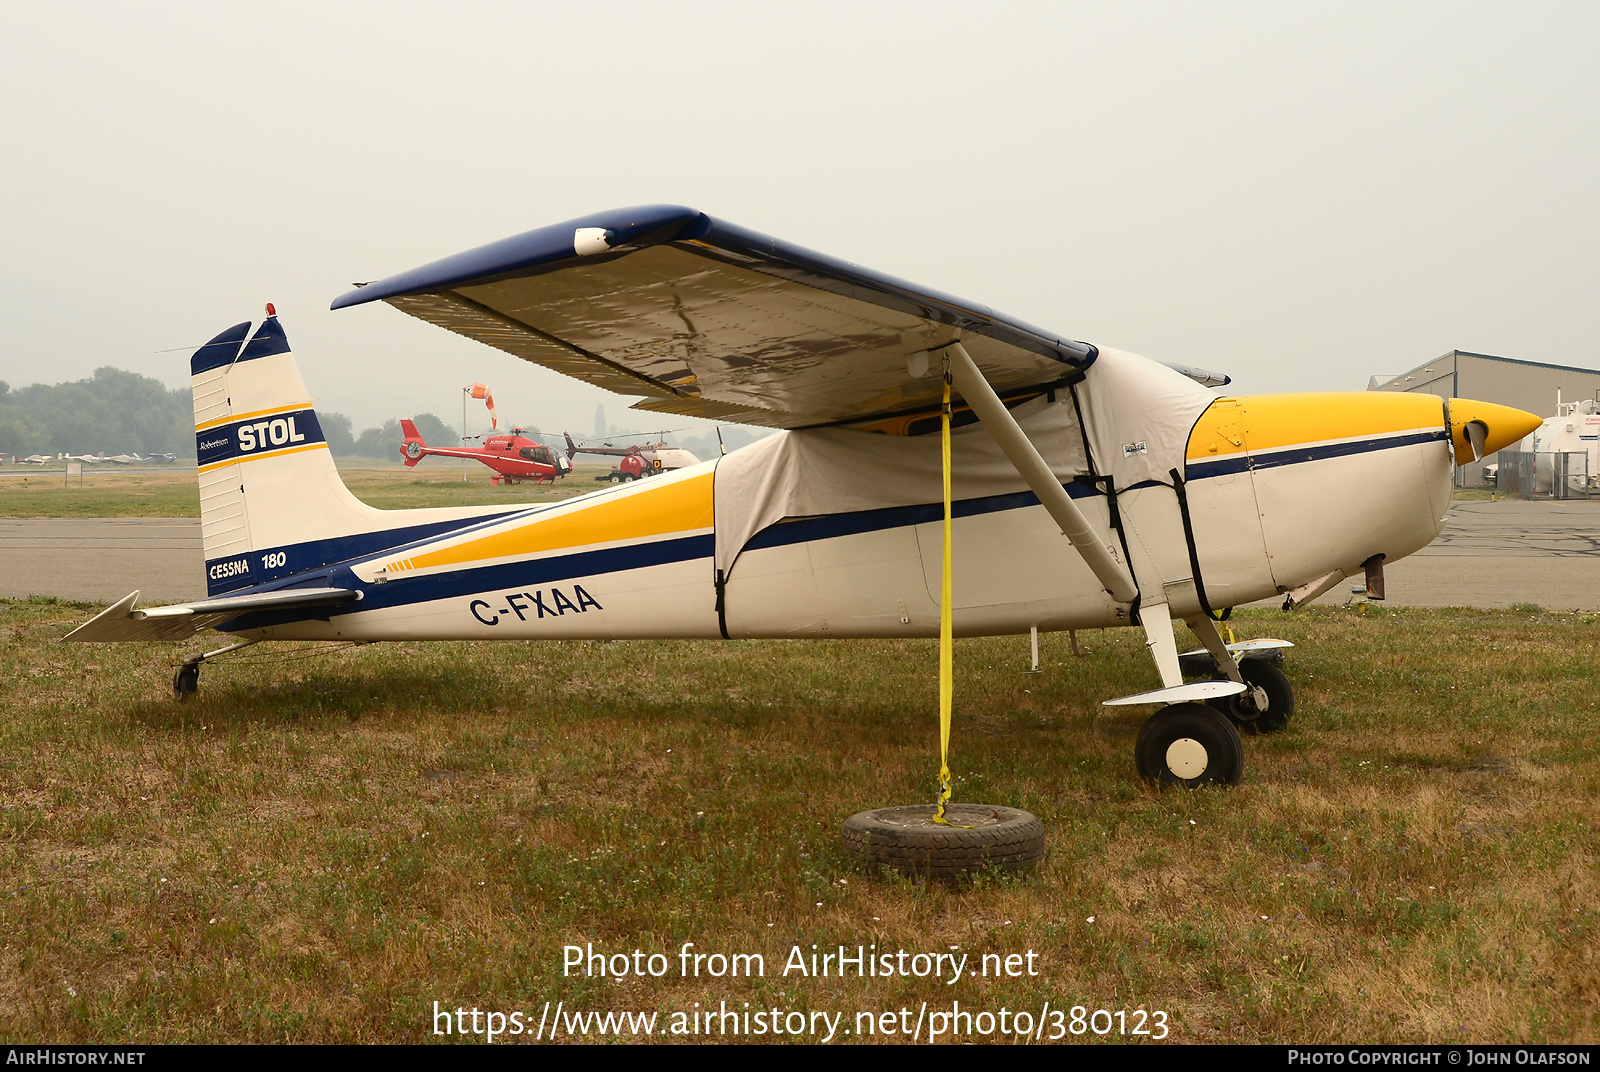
(1187, 744)
(187, 680)
(1268, 699)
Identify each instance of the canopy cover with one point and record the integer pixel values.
(822, 472)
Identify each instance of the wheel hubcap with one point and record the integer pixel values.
(1186, 758)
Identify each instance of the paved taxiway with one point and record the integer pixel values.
(1491, 554)
(102, 559)
(1494, 554)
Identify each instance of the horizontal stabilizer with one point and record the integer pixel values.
(120, 622)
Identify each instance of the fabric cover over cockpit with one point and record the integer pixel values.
(1127, 401)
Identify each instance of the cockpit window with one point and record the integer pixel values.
(537, 454)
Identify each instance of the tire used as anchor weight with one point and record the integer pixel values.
(1191, 745)
(980, 836)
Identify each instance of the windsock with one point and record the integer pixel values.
(481, 390)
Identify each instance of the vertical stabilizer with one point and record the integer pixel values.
(413, 446)
(271, 500)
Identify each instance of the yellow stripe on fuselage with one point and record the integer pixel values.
(1269, 422)
(666, 509)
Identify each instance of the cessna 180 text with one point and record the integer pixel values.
(1092, 488)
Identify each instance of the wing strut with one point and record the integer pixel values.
(1038, 476)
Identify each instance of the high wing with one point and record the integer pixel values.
(711, 320)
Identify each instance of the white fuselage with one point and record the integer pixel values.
(1274, 505)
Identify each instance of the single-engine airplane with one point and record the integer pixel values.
(514, 458)
(1092, 488)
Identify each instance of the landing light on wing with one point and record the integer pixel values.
(587, 241)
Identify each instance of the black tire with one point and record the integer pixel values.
(1191, 745)
(1202, 665)
(1242, 710)
(616, 478)
(908, 840)
(186, 682)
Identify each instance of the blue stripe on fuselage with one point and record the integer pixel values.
(806, 529)
(1242, 463)
(270, 563)
(406, 590)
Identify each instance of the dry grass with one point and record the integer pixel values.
(319, 849)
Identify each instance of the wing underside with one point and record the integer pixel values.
(708, 320)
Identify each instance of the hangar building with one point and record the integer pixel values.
(1529, 385)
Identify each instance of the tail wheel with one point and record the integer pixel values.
(1247, 711)
(186, 682)
(1191, 745)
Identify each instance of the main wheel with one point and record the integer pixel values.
(1191, 745)
(979, 835)
(186, 682)
(1246, 712)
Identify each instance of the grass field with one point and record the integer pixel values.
(319, 847)
(175, 493)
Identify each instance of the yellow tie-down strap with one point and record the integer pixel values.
(946, 644)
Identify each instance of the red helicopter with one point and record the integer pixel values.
(514, 458)
(637, 461)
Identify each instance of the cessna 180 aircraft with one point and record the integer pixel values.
(1091, 488)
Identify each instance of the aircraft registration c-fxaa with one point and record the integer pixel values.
(1091, 488)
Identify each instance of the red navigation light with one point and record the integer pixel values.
(271, 311)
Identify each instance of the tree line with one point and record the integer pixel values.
(118, 412)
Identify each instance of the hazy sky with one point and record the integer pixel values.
(1300, 195)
